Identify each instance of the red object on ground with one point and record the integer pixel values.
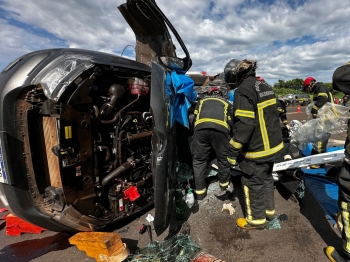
(15, 226)
(298, 109)
(207, 258)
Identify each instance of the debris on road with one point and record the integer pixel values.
(273, 224)
(95, 244)
(283, 217)
(116, 257)
(16, 226)
(207, 258)
(229, 208)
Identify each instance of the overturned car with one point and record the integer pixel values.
(85, 139)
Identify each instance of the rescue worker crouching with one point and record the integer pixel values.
(256, 141)
(321, 95)
(212, 125)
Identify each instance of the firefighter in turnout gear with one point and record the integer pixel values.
(341, 82)
(256, 141)
(212, 125)
(282, 113)
(322, 95)
(282, 110)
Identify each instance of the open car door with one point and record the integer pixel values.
(155, 48)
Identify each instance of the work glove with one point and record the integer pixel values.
(232, 161)
(229, 208)
(314, 112)
(232, 155)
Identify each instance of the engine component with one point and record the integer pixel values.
(115, 173)
(138, 86)
(115, 93)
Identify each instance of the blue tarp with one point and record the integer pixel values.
(308, 149)
(179, 88)
(324, 190)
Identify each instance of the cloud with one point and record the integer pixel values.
(290, 39)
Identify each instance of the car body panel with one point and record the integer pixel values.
(91, 131)
(289, 99)
(303, 99)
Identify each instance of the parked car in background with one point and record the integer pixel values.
(289, 99)
(303, 99)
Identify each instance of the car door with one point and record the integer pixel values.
(155, 48)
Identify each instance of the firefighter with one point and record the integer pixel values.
(282, 111)
(321, 95)
(212, 125)
(256, 141)
(341, 82)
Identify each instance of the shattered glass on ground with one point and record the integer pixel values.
(179, 248)
(273, 224)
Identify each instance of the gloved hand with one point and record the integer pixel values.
(314, 112)
(232, 155)
(285, 123)
(232, 161)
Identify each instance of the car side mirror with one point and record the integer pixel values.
(176, 63)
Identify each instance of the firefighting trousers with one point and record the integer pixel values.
(205, 141)
(344, 204)
(258, 188)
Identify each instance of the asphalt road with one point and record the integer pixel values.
(301, 238)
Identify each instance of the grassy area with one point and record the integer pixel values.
(285, 91)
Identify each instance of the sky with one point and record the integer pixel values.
(289, 39)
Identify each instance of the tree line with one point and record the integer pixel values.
(295, 86)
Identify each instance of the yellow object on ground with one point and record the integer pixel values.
(116, 257)
(96, 243)
(242, 223)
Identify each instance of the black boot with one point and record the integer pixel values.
(225, 193)
(201, 196)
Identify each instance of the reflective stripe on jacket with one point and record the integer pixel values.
(322, 95)
(256, 122)
(214, 113)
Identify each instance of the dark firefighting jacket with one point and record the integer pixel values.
(256, 130)
(213, 113)
(282, 111)
(322, 95)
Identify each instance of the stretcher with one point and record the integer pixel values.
(325, 158)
